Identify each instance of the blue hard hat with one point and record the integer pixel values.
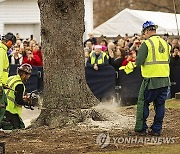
(148, 24)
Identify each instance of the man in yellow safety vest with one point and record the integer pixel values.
(7, 41)
(16, 98)
(153, 57)
(97, 58)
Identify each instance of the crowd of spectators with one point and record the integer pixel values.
(125, 49)
(25, 51)
(119, 52)
(115, 52)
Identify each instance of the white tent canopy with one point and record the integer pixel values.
(130, 22)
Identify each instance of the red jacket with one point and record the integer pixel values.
(125, 62)
(38, 53)
(35, 61)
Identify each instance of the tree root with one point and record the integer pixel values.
(63, 119)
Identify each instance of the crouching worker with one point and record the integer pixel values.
(15, 91)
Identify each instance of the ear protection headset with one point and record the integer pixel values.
(9, 43)
(10, 39)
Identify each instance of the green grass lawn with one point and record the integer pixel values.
(158, 149)
(173, 103)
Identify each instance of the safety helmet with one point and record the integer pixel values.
(9, 37)
(27, 68)
(149, 24)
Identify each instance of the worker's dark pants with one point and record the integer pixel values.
(158, 97)
(12, 121)
(3, 102)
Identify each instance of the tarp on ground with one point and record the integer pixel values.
(130, 22)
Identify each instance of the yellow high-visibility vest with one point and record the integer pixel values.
(157, 61)
(100, 59)
(12, 106)
(4, 64)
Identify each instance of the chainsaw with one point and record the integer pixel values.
(34, 100)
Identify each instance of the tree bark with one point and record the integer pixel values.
(65, 88)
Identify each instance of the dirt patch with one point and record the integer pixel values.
(114, 117)
(82, 138)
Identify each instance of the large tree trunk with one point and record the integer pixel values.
(65, 88)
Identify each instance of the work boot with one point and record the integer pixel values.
(7, 125)
(140, 133)
(153, 133)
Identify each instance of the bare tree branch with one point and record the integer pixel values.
(159, 6)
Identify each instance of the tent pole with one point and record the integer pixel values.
(119, 4)
(176, 16)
